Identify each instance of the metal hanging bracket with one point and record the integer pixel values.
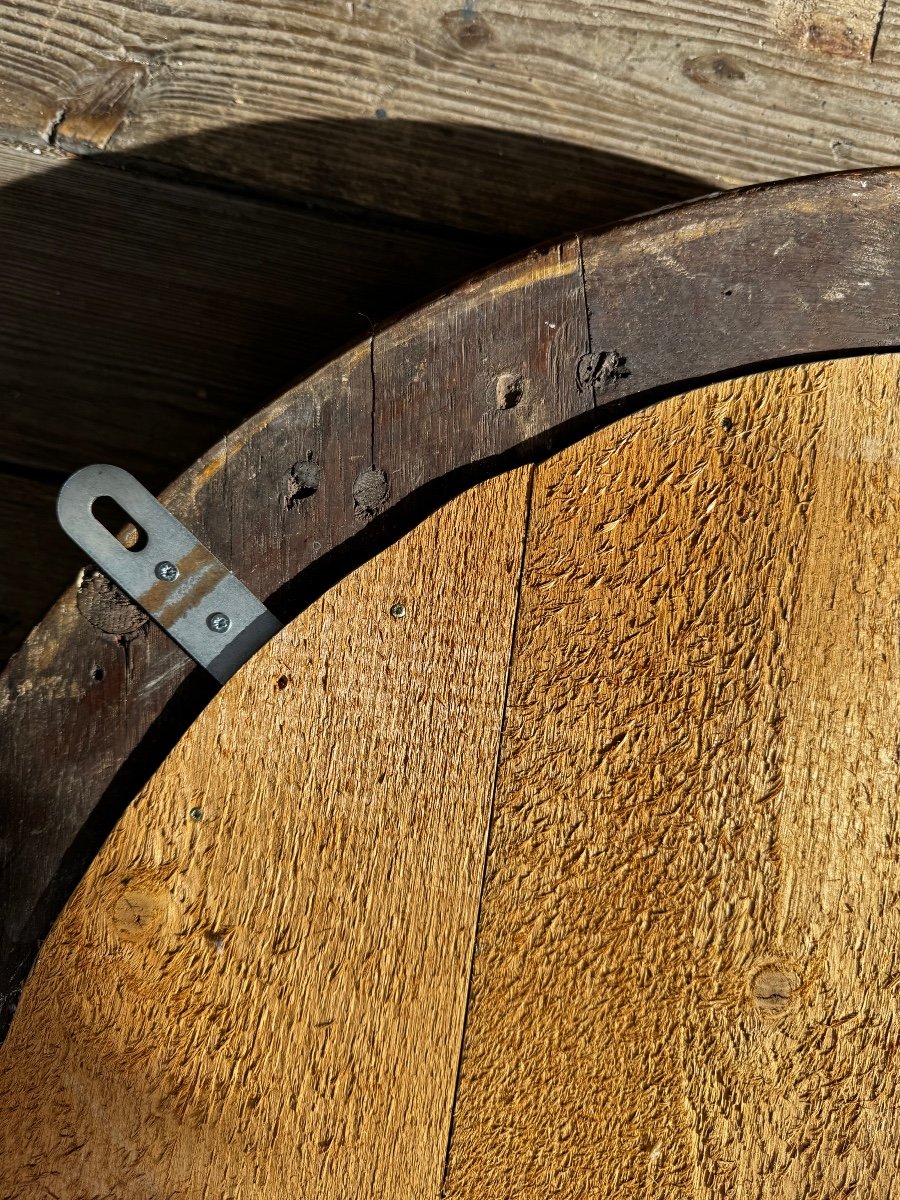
(173, 577)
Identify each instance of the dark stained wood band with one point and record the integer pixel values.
(510, 366)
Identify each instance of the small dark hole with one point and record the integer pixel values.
(727, 292)
(304, 493)
(98, 673)
(113, 517)
(305, 480)
(727, 424)
(510, 391)
(282, 682)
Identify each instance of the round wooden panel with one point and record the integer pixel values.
(553, 852)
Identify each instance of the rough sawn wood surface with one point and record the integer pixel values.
(271, 960)
(687, 973)
(676, 650)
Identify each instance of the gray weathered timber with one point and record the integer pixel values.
(735, 93)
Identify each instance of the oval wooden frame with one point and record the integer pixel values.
(509, 367)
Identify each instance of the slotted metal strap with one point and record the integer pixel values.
(173, 577)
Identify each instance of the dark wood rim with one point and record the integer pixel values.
(509, 367)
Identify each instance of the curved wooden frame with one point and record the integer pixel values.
(509, 367)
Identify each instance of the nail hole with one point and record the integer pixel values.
(510, 390)
(727, 292)
(196, 814)
(727, 424)
(281, 682)
(113, 517)
(305, 480)
(97, 673)
(398, 610)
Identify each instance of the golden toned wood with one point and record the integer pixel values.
(268, 1000)
(687, 975)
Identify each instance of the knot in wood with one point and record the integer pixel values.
(106, 607)
(773, 989)
(468, 28)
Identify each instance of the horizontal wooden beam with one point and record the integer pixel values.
(379, 105)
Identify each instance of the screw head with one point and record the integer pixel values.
(218, 622)
(398, 610)
(166, 571)
(196, 814)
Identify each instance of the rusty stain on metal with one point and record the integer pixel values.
(200, 571)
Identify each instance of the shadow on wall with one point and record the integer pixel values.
(147, 311)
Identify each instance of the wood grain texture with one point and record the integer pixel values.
(36, 576)
(840, 28)
(506, 368)
(729, 92)
(686, 972)
(143, 320)
(178, 309)
(278, 934)
(146, 317)
(335, 421)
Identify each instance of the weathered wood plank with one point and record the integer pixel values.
(685, 982)
(696, 259)
(493, 365)
(812, 267)
(381, 106)
(278, 934)
(142, 320)
(39, 560)
(842, 28)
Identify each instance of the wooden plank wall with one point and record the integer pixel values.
(201, 200)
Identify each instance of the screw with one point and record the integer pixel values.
(196, 814)
(166, 571)
(218, 622)
(398, 610)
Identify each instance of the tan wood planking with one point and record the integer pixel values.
(687, 972)
(687, 976)
(726, 91)
(269, 1001)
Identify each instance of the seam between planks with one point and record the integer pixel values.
(579, 241)
(876, 32)
(526, 530)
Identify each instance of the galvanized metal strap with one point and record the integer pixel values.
(173, 577)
